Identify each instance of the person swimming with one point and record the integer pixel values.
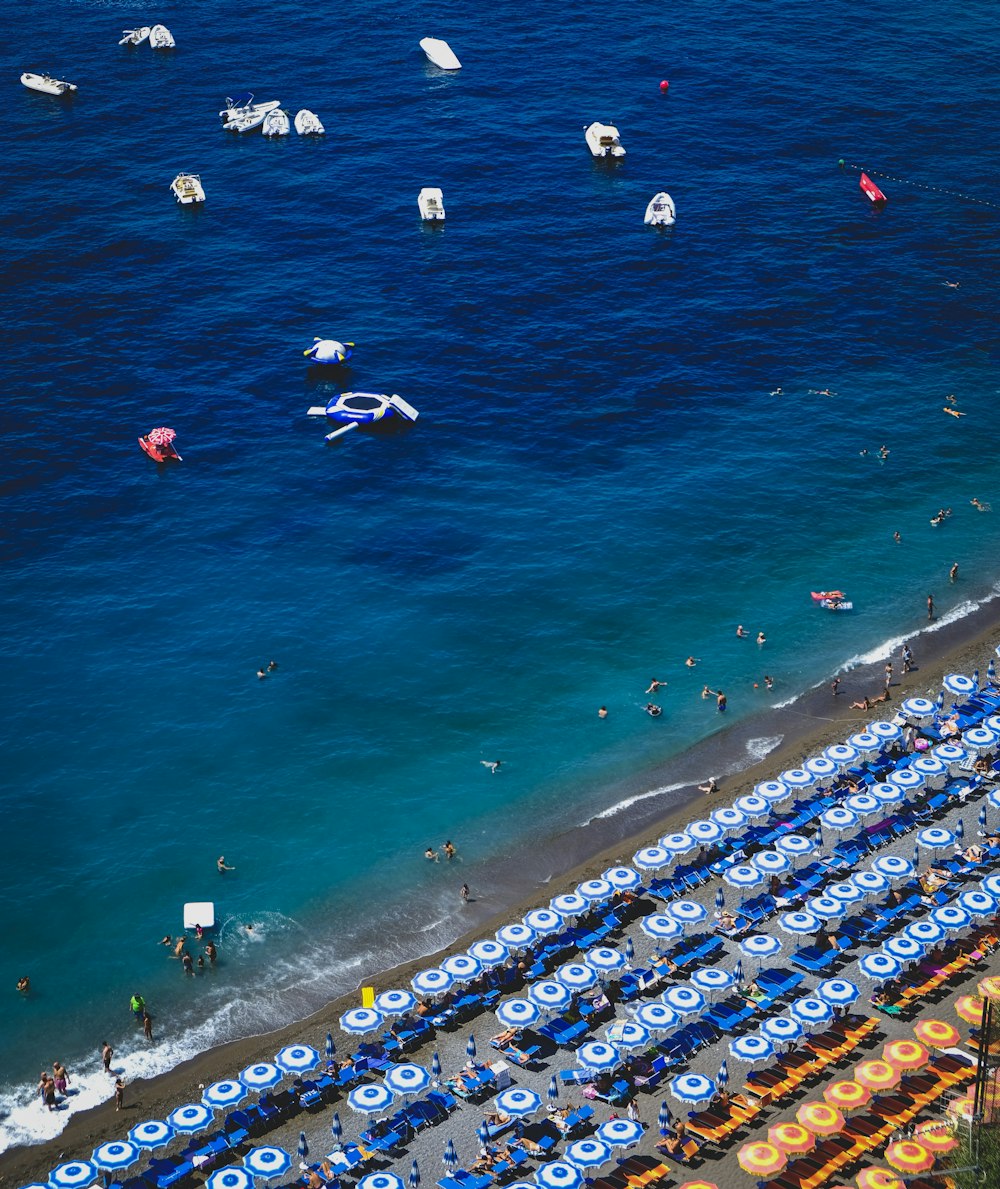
(653, 710)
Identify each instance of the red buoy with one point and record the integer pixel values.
(664, 86)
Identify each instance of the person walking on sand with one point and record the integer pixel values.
(220, 863)
(953, 572)
(463, 891)
(930, 606)
(107, 1052)
(835, 686)
(147, 1025)
(119, 1094)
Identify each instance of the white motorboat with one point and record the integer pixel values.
(430, 200)
(276, 123)
(242, 104)
(247, 122)
(187, 188)
(660, 212)
(46, 84)
(440, 53)
(307, 123)
(602, 140)
(160, 38)
(134, 36)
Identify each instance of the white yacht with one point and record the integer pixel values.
(134, 36)
(188, 189)
(307, 123)
(440, 53)
(276, 123)
(46, 84)
(160, 38)
(602, 140)
(660, 212)
(430, 201)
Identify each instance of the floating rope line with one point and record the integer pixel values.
(875, 173)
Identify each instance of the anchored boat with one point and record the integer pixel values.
(307, 123)
(160, 38)
(660, 212)
(134, 36)
(430, 202)
(159, 444)
(276, 123)
(440, 53)
(187, 188)
(871, 191)
(602, 140)
(46, 84)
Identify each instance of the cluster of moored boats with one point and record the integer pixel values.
(243, 114)
(158, 36)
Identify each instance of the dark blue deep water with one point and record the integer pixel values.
(599, 483)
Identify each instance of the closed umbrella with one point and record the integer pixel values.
(738, 972)
(629, 951)
(336, 1129)
(303, 1146)
(664, 1118)
(722, 1078)
(436, 1066)
(470, 1047)
(330, 1047)
(450, 1157)
(552, 1094)
(414, 1177)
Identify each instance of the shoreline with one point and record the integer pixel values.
(810, 722)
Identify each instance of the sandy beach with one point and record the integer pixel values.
(814, 721)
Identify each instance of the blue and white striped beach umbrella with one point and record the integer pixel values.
(436, 1066)
(712, 980)
(371, 1099)
(934, 838)
(977, 903)
(463, 968)
(544, 921)
(297, 1058)
(598, 1056)
(801, 778)
(939, 702)
(72, 1175)
(267, 1162)
(893, 867)
(360, 1020)
(550, 995)
(751, 1048)
(994, 798)
(629, 951)
(729, 818)
(952, 918)
(904, 949)
(152, 1134)
(991, 885)
(926, 932)
(705, 833)
(982, 819)
(827, 908)
(558, 1174)
(330, 1048)
(959, 685)
(795, 846)
(336, 1128)
(623, 879)
(799, 923)
(517, 936)
(656, 1017)
(982, 739)
(866, 744)
(720, 897)
(407, 1079)
(394, 1003)
(753, 806)
(686, 912)
(665, 1117)
(879, 967)
(517, 1013)
(951, 754)
(678, 844)
(838, 992)
(842, 754)
(917, 709)
(885, 731)
(870, 883)
(722, 1077)
(662, 927)
(576, 976)
(774, 791)
(192, 1117)
(930, 767)
(627, 1034)
(570, 904)
(652, 858)
(220, 1095)
(692, 1088)
(470, 1047)
(489, 952)
(605, 960)
(432, 982)
(589, 1153)
(839, 819)
(738, 972)
(620, 1133)
(888, 794)
(230, 1177)
(115, 1155)
(518, 1102)
(991, 668)
(595, 890)
(781, 1029)
(413, 1180)
(760, 946)
(684, 1000)
(960, 828)
(303, 1146)
(771, 862)
(743, 876)
(863, 804)
(381, 1180)
(908, 780)
(811, 1011)
(449, 1157)
(552, 1093)
(847, 892)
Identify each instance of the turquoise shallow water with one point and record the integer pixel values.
(599, 484)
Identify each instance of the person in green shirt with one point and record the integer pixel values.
(138, 1007)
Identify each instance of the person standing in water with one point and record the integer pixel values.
(220, 863)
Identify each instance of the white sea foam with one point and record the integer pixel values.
(886, 649)
(621, 806)
(759, 748)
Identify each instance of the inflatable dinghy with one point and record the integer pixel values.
(440, 53)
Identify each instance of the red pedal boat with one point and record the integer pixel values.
(822, 595)
(159, 445)
(872, 191)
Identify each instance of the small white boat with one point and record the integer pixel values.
(602, 140)
(307, 123)
(242, 104)
(661, 211)
(247, 122)
(440, 53)
(276, 123)
(430, 201)
(187, 188)
(46, 84)
(134, 36)
(160, 38)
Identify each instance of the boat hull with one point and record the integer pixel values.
(661, 211)
(46, 85)
(159, 453)
(440, 53)
(871, 191)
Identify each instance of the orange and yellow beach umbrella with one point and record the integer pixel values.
(989, 987)
(820, 1117)
(698, 1185)
(761, 1159)
(878, 1178)
(905, 1054)
(939, 1034)
(962, 1108)
(847, 1095)
(909, 1156)
(969, 1008)
(877, 1075)
(938, 1137)
(792, 1138)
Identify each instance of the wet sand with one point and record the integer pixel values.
(807, 726)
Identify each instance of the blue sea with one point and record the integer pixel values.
(600, 482)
